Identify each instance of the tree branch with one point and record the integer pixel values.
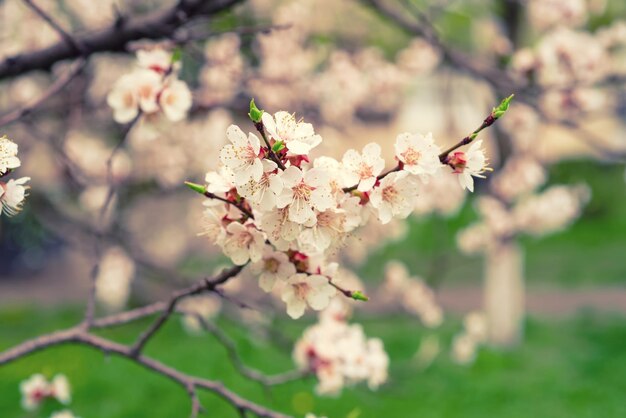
(115, 38)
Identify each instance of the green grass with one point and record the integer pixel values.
(589, 253)
(567, 368)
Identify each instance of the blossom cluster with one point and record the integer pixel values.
(340, 354)
(286, 213)
(538, 214)
(150, 89)
(466, 343)
(12, 192)
(412, 293)
(36, 389)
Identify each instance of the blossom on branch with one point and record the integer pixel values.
(12, 196)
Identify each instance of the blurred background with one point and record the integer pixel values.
(505, 302)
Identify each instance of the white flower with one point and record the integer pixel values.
(363, 168)
(133, 92)
(279, 229)
(395, 196)
(34, 390)
(66, 413)
(243, 243)
(377, 363)
(175, 100)
(213, 222)
(8, 155)
(476, 326)
(221, 181)
(273, 266)
(329, 226)
(299, 137)
(468, 164)
(60, 389)
(262, 192)
(304, 192)
(12, 196)
(302, 290)
(241, 156)
(418, 153)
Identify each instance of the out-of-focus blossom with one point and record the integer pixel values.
(520, 175)
(413, 293)
(419, 57)
(544, 14)
(115, 276)
(341, 355)
(552, 210)
(36, 389)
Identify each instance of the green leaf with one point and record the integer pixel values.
(255, 113)
(358, 295)
(278, 146)
(198, 188)
(502, 107)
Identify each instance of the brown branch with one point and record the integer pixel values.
(157, 25)
(69, 39)
(58, 85)
(98, 235)
(205, 285)
(231, 350)
(239, 206)
(190, 383)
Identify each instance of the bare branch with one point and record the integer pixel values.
(78, 335)
(231, 350)
(69, 39)
(54, 88)
(158, 25)
(208, 284)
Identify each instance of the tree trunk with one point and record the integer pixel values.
(504, 294)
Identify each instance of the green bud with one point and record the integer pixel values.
(358, 295)
(278, 146)
(196, 187)
(497, 112)
(255, 113)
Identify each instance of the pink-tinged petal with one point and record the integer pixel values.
(269, 165)
(285, 198)
(275, 184)
(291, 176)
(367, 184)
(236, 136)
(300, 211)
(267, 282)
(322, 198)
(298, 147)
(316, 177)
(296, 308)
(269, 124)
(254, 141)
(256, 170)
(351, 160)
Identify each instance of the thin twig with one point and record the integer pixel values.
(58, 85)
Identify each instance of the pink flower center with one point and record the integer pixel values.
(302, 191)
(411, 156)
(389, 194)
